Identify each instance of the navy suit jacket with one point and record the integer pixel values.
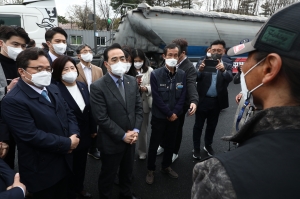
(41, 130)
(84, 118)
(7, 179)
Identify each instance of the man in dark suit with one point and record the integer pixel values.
(117, 109)
(56, 39)
(213, 97)
(43, 126)
(10, 185)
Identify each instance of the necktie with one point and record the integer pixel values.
(121, 89)
(45, 95)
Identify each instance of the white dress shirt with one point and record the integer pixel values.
(77, 96)
(88, 74)
(52, 56)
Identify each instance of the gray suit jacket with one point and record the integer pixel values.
(112, 114)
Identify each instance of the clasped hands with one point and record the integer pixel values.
(172, 118)
(74, 142)
(131, 137)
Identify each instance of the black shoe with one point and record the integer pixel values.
(95, 154)
(209, 150)
(196, 154)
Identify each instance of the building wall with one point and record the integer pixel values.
(78, 37)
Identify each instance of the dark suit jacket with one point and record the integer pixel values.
(85, 119)
(223, 79)
(112, 114)
(7, 179)
(41, 130)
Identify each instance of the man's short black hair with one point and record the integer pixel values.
(113, 46)
(6, 32)
(33, 53)
(171, 46)
(82, 47)
(217, 42)
(51, 32)
(182, 43)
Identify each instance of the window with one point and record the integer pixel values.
(9, 20)
(76, 40)
(101, 41)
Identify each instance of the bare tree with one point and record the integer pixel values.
(80, 14)
(105, 12)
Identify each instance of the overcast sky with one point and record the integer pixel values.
(63, 5)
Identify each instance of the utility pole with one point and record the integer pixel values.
(94, 17)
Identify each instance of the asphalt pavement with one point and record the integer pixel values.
(165, 187)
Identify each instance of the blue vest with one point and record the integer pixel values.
(169, 89)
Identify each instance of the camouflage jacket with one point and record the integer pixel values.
(210, 177)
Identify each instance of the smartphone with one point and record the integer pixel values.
(210, 65)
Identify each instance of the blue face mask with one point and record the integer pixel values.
(245, 91)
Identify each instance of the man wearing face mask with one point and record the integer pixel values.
(117, 109)
(207, 56)
(168, 85)
(213, 97)
(13, 40)
(56, 39)
(88, 73)
(44, 127)
(266, 162)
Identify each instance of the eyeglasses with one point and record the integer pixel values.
(40, 69)
(87, 51)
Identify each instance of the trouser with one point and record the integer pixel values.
(181, 119)
(208, 110)
(142, 139)
(162, 129)
(77, 178)
(57, 191)
(110, 165)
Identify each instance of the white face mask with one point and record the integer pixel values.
(88, 57)
(171, 62)
(13, 52)
(69, 77)
(245, 91)
(40, 79)
(119, 68)
(60, 48)
(138, 65)
(208, 55)
(128, 67)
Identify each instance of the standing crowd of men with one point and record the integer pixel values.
(56, 112)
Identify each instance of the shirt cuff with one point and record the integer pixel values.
(136, 130)
(22, 190)
(124, 136)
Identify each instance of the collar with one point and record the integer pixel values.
(284, 117)
(7, 59)
(169, 72)
(83, 66)
(115, 78)
(36, 88)
(52, 56)
(181, 62)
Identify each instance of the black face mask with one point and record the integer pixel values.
(216, 56)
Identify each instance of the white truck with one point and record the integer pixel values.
(35, 16)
